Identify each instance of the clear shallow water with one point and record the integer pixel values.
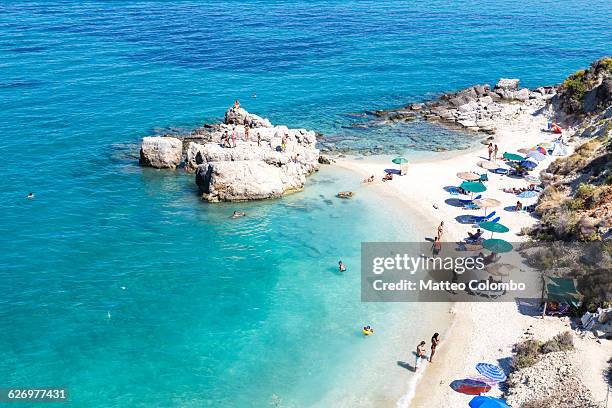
(218, 312)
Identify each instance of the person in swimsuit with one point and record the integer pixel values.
(341, 266)
(435, 340)
(495, 151)
(436, 247)
(490, 150)
(420, 355)
(440, 230)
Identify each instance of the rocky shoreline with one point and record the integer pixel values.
(477, 108)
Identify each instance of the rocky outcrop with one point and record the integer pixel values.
(243, 158)
(239, 116)
(161, 152)
(588, 90)
(268, 163)
(476, 108)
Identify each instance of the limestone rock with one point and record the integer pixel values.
(507, 84)
(248, 180)
(161, 152)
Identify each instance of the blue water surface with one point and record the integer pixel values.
(119, 283)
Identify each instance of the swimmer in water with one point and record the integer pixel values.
(238, 214)
(341, 266)
(31, 195)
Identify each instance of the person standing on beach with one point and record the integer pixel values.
(435, 339)
(490, 150)
(495, 151)
(246, 133)
(258, 139)
(436, 247)
(440, 230)
(420, 354)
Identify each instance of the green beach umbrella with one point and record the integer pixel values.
(473, 186)
(400, 160)
(513, 157)
(498, 246)
(493, 227)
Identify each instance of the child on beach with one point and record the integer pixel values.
(435, 339)
(420, 355)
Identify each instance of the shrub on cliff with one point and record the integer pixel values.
(526, 354)
(587, 91)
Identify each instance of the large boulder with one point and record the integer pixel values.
(161, 152)
(239, 116)
(247, 180)
(506, 84)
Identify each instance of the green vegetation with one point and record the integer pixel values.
(576, 86)
(528, 352)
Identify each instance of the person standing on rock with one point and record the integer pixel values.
(490, 150)
(246, 133)
(258, 139)
(495, 151)
(234, 136)
(225, 139)
(284, 142)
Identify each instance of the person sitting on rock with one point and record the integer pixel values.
(236, 104)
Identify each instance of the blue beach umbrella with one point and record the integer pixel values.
(488, 402)
(534, 154)
(529, 164)
(528, 194)
(491, 371)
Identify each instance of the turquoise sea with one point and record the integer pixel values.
(120, 284)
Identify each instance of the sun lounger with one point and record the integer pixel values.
(453, 191)
(471, 206)
(500, 171)
(496, 219)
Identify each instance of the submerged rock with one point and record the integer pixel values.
(161, 152)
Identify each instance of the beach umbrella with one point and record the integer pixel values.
(513, 157)
(532, 179)
(499, 269)
(497, 245)
(529, 164)
(487, 402)
(401, 161)
(493, 227)
(491, 371)
(546, 145)
(468, 175)
(487, 165)
(528, 194)
(487, 202)
(473, 186)
(470, 387)
(541, 150)
(534, 154)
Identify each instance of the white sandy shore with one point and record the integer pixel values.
(479, 331)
